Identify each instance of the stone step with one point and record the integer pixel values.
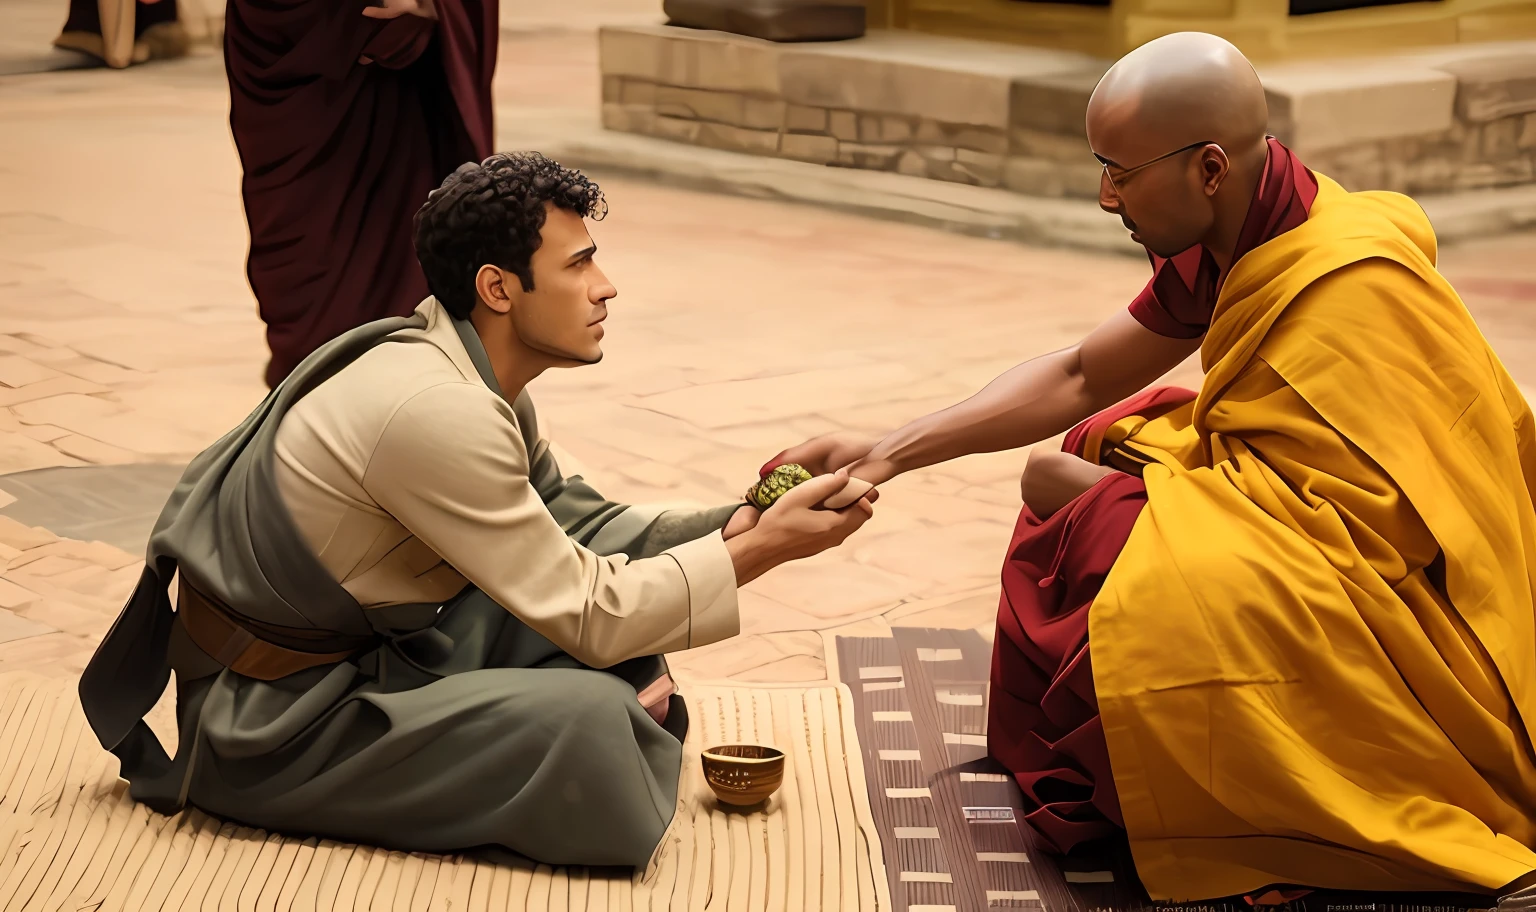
(999, 115)
(578, 140)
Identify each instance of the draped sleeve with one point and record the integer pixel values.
(531, 543)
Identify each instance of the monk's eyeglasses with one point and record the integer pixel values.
(1127, 172)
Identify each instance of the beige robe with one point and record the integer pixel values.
(410, 479)
(385, 491)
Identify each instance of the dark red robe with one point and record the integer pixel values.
(1043, 719)
(339, 155)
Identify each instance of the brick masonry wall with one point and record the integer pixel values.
(1025, 133)
(1023, 159)
(1498, 153)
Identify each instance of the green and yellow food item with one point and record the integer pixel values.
(775, 484)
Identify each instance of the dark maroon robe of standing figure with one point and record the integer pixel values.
(339, 154)
(1043, 717)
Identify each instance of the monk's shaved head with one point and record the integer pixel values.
(1175, 92)
(1180, 89)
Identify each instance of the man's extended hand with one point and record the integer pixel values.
(799, 527)
(841, 450)
(394, 9)
(743, 520)
(796, 527)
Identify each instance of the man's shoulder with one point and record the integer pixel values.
(440, 401)
(393, 380)
(444, 419)
(390, 368)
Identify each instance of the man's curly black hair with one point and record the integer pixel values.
(491, 214)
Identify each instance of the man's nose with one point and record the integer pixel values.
(602, 290)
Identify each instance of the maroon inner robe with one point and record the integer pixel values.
(339, 155)
(1043, 718)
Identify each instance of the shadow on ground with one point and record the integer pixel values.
(27, 30)
(114, 504)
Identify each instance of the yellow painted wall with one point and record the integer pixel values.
(1261, 28)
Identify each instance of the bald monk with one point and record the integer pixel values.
(1307, 586)
(396, 620)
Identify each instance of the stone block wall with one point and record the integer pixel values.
(1468, 156)
(999, 116)
(1020, 158)
(886, 109)
(1441, 126)
(1262, 29)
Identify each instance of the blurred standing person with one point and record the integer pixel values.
(123, 32)
(346, 115)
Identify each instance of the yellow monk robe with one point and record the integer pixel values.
(1286, 695)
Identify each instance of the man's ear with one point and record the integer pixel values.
(496, 287)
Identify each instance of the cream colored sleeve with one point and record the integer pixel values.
(453, 469)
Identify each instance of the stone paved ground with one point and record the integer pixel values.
(128, 337)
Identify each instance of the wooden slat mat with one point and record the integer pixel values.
(952, 821)
(71, 839)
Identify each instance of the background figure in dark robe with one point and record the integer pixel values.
(346, 117)
(124, 32)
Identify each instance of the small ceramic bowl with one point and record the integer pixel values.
(743, 774)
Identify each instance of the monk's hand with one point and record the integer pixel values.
(394, 9)
(856, 490)
(799, 526)
(826, 454)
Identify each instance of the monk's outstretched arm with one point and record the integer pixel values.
(1038, 399)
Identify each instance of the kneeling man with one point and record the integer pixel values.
(392, 606)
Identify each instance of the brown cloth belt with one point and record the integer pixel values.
(247, 647)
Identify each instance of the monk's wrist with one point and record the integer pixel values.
(895, 455)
